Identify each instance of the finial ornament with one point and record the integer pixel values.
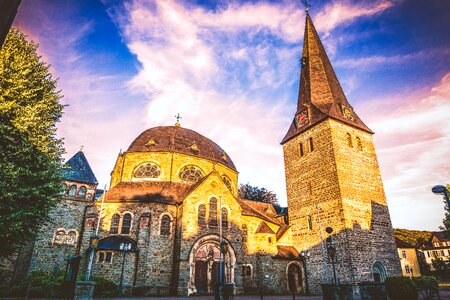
(178, 117)
(81, 148)
(306, 5)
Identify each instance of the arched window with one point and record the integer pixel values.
(358, 143)
(227, 182)
(147, 170)
(212, 212)
(244, 232)
(114, 229)
(191, 173)
(165, 225)
(73, 191)
(126, 224)
(201, 215)
(82, 192)
(349, 140)
(224, 217)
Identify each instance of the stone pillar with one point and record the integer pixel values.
(84, 290)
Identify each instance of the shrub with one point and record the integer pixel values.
(42, 284)
(427, 286)
(104, 287)
(401, 288)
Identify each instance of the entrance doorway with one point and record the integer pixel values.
(295, 278)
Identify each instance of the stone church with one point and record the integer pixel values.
(173, 190)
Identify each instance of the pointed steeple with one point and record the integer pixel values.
(77, 168)
(320, 95)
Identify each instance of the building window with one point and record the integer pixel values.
(227, 182)
(101, 257)
(310, 225)
(73, 191)
(428, 254)
(108, 257)
(311, 144)
(246, 271)
(244, 232)
(115, 220)
(201, 215)
(270, 240)
(82, 192)
(224, 218)
(165, 226)
(147, 170)
(212, 212)
(404, 254)
(358, 144)
(349, 140)
(126, 224)
(407, 269)
(300, 149)
(191, 174)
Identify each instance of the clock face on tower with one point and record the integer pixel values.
(302, 118)
(347, 112)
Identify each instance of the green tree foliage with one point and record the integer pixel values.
(30, 154)
(415, 238)
(254, 193)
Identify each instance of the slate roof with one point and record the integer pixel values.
(319, 92)
(287, 252)
(261, 210)
(180, 140)
(149, 191)
(77, 169)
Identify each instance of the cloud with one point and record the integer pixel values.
(413, 146)
(340, 12)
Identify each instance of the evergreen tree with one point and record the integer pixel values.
(254, 193)
(446, 220)
(30, 154)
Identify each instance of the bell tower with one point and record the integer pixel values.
(333, 179)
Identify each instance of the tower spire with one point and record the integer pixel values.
(320, 94)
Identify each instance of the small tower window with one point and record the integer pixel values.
(224, 217)
(311, 144)
(126, 224)
(82, 192)
(300, 149)
(358, 144)
(310, 225)
(213, 212)
(114, 229)
(165, 226)
(349, 140)
(73, 191)
(201, 215)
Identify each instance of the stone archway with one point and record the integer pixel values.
(204, 262)
(296, 280)
(379, 272)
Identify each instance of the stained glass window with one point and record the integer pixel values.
(126, 224)
(191, 173)
(213, 212)
(147, 170)
(114, 229)
(201, 215)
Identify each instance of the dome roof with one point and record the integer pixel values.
(181, 140)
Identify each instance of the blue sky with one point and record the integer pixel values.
(231, 69)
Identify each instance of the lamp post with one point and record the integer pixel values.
(332, 252)
(442, 190)
(124, 248)
(305, 255)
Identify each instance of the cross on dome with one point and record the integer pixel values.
(178, 117)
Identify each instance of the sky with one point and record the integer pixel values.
(231, 70)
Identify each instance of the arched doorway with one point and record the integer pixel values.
(204, 261)
(378, 272)
(296, 278)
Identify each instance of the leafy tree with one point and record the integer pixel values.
(30, 154)
(254, 193)
(446, 220)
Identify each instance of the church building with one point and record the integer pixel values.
(174, 192)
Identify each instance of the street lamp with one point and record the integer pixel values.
(442, 190)
(304, 255)
(331, 248)
(124, 248)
